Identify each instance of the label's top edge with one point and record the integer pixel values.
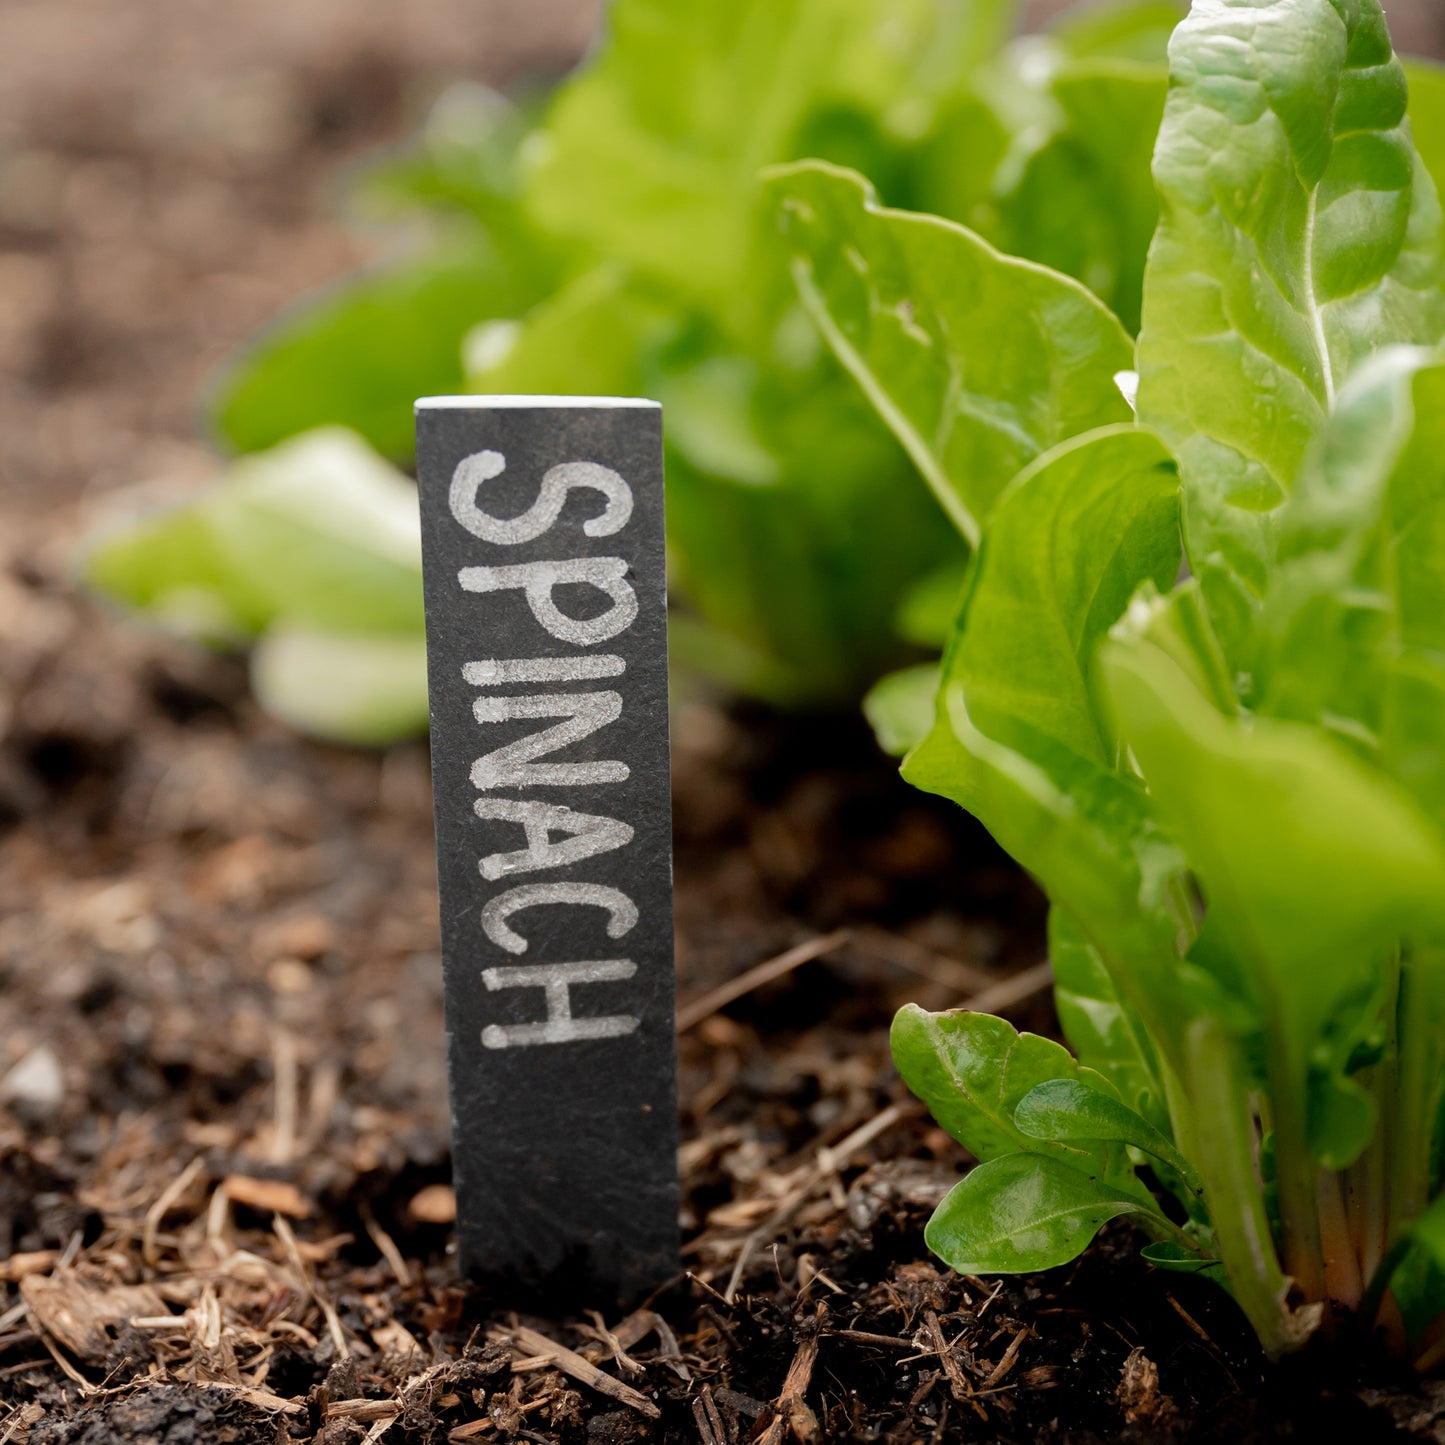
(509, 403)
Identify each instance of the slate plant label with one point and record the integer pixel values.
(546, 618)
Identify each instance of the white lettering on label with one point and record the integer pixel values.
(587, 834)
(555, 836)
(495, 671)
(556, 980)
(622, 910)
(539, 579)
(512, 765)
(475, 471)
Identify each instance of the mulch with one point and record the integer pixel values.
(224, 1209)
(224, 1202)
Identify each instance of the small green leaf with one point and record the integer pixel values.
(1023, 1212)
(1178, 1259)
(1414, 1272)
(973, 1070)
(1071, 1111)
(977, 361)
(1102, 1030)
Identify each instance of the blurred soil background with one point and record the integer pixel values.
(222, 1106)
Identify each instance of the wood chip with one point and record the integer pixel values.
(362, 1411)
(268, 1196)
(80, 1314)
(1010, 1358)
(958, 1383)
(35, 1261)
(791, 1413)
(474, 1431)
(436, 1204)
(584, 1371)
(155, 1215)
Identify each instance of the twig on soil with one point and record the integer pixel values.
(710, 1428)
(950, 973)
(283, 1135)
(156, 1214)
(620, 1357)
(66, 1368)
(1010, 1359)
(387, 1245)
(867, 1337)
(307, 1281)
(694, 1013)
(362, 1411)
(958, 1384)
(22, 1418)
(573, 1364)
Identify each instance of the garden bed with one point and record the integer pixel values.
(219, 981)
(223, 943)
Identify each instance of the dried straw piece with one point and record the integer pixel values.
(774, 968)
(584, 1371)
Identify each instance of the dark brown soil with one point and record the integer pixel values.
(223, 1145)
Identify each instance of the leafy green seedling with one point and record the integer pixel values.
(311, 551)
(612, 238)
(1196, 680)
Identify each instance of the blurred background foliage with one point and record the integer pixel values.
(607, 237)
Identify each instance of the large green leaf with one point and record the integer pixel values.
(320, 533)
(1427, 114)
(1124, 30)
(1071, 540)
(978, 361)
(593, 336)
(1298, 235)
(651, 154)
(795, 521)
(1020, 738)
(1311, 863)
(1024, 1212)
(1083, 202)
(359, 355)
(1356, 611)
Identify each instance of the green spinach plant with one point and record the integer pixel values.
(612, 237)
(1196, 680)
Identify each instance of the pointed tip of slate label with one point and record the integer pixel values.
(497, 403)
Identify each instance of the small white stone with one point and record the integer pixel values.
(36, 1084)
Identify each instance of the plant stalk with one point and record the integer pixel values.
(1220, 1129)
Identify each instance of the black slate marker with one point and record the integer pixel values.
(546, 624)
